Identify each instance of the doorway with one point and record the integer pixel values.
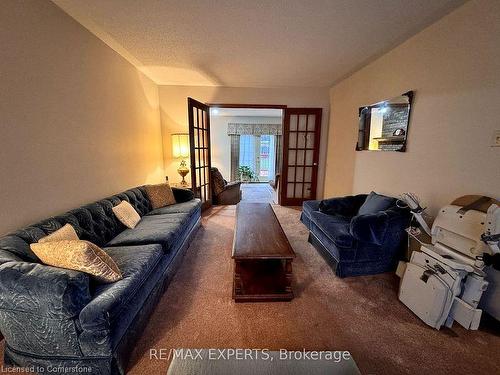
(246, 143)
(282, 152)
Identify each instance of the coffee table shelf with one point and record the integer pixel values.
(262, 256)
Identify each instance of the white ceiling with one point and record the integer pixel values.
(254, 43)
(245, 112)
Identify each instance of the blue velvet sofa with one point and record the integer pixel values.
(357, 235)
(54, 318)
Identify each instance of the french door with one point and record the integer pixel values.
(199, 140)
(301, 138)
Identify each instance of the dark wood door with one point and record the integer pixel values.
(199, 139)
(301, 138)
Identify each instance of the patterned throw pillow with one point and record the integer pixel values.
(67, 232)
(127, 214)
(160, 195)
(78, 255)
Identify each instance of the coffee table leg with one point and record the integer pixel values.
(237, 278)
(288, 275)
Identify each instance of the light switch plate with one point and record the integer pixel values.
(495, 140)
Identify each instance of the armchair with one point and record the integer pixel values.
(224, 192)
(358, 235)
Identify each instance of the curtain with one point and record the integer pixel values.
(253, 129)
(272, 157)
(235, 156)
(247, 151)
(243, 147)
(279, 153)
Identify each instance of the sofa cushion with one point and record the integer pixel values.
(67, 232)
(78, 255)
(375, 203)
(336, 228)
(189, 207)
(160, 195)
(345, 206)
(127, 214)
(182, 194)
(153, 229)
(109, 300)
(137, 197)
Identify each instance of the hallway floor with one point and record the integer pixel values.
(258, 193)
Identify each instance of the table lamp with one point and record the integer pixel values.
(180, 150)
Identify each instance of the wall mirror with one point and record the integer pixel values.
(383, 126)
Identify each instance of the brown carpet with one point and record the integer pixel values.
(361, 314)
(257, 192)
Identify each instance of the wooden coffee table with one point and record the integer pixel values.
(262, 256)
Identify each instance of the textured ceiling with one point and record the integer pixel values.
(243, 43)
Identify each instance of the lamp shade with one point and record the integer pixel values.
(180, 145)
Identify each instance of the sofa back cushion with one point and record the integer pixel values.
(375, 203)
(94, 222)
(218, 182)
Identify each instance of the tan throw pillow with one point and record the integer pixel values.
(67, 232)
(127, 214)
(160, 195)
(78, 255)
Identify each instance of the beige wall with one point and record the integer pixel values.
(173, 108)
(221, 142)
(77, 122)
(454, 68)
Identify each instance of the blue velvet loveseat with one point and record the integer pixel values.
(358, 235)
(54, 319)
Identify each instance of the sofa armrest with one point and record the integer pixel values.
(370, 228)
(182, 195)
(381, 228)
(231, 194)
(233, 185)
(344, 206)
(51, 292)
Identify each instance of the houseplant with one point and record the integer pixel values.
(246, 173)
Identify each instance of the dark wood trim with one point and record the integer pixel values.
(245, 106)
(410, 94)
(317, 112)
(196, 157)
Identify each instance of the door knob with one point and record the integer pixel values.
(315, 164)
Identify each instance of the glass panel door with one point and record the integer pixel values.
(199, 139)
(302, 127)
(267, 158)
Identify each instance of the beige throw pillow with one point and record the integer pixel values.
(78, 255)
(67, 232)
(127, 214)
(160, 195)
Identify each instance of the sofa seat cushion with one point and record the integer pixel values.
(335, 228)
(188, 207)
(109, 301)
(154, 229)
